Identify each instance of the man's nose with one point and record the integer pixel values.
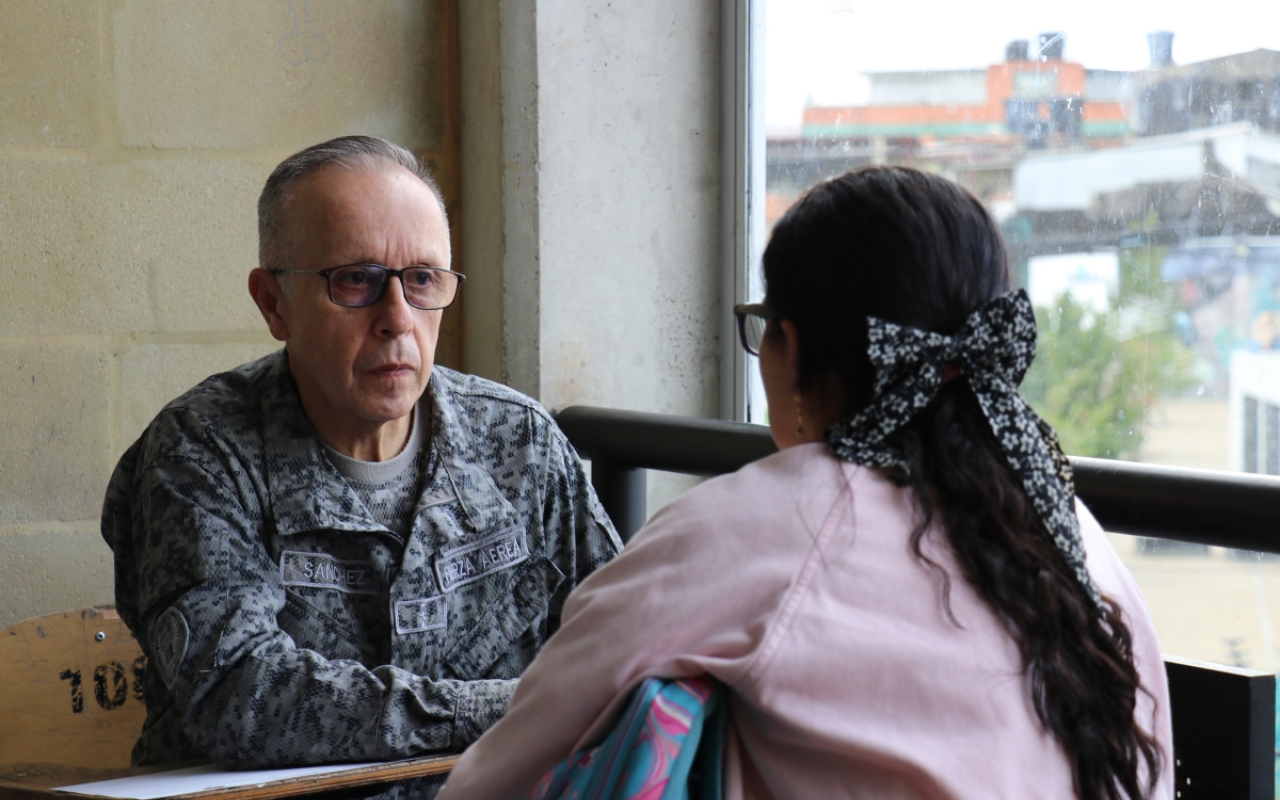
(395, 315)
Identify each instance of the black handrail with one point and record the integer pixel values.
(1188, 505)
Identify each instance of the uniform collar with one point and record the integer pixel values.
(462, 441)
(306, 492)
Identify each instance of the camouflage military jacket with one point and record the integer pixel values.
(282, 625)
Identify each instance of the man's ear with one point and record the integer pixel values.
(272, 303)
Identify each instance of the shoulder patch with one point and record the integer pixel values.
(169, 638)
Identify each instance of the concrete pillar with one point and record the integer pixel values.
(599, 233)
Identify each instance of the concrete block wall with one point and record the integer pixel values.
(134, 138)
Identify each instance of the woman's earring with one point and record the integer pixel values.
(799, 419)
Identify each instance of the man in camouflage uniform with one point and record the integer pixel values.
(339, 552)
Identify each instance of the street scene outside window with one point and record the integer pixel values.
(1132, 159)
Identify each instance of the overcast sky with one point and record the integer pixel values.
(815, 49)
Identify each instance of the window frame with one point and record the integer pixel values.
(742, 197)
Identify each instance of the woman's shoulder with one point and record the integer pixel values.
(1104, 563)
(766, 504)
(799, 474)
(1114, 579)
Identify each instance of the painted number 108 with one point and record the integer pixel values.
(110, 684)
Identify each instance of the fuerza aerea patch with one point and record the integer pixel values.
(471, 562)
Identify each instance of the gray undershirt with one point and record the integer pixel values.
(390, 489)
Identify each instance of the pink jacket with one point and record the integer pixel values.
(793, 583)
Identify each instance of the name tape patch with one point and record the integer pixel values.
(462, 565)
(323, 571)
(413, 616)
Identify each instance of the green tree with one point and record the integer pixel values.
(1097, 375)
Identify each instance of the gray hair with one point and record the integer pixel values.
(352, 152)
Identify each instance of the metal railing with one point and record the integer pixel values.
(1224, 718)
(1187, 505)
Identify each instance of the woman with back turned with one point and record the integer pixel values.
(907, 601)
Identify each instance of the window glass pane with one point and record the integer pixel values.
(1132, 159)
(1211, 603)
(1133, 162)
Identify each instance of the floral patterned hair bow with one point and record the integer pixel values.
(992, 352)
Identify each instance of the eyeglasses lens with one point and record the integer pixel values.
(362, 285)
(429, 288)
(357, 285)
(753, 329)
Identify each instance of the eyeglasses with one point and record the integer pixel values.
(360, 285)
(752, 319)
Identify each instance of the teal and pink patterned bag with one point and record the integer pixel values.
(668, 744)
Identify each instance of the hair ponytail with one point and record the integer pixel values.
(1079, 662)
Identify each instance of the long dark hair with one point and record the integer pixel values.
(918, 250)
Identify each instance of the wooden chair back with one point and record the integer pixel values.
(72, 690)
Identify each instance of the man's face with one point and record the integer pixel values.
(358, 368)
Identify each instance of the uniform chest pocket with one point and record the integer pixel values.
(331, 630)
(490, 614)
(336, 607)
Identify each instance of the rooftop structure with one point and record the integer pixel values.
(1244, 87)
(1039, 100)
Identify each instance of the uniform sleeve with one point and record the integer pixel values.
(580, 534)
(208, 596)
